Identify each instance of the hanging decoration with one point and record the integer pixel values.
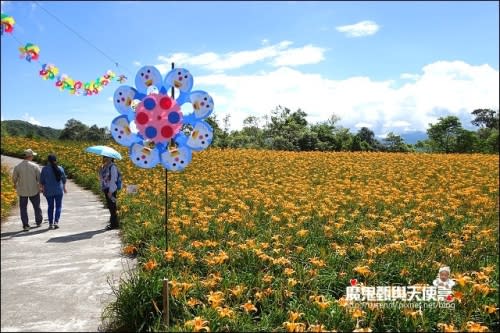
(50, 72)
(7, 24)
(153, 125)
(30, 52)
(122, 79)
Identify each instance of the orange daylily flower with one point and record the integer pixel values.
(249, 307)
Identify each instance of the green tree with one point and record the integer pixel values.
(286, 128)
(423, 146)
(466, 141)
(344, 138)
(73, 130)
(368, 136)
(225, 131)
(252, 133)
(326, 140)
(443, 135)
(485, 118)
(4, 131)
(395, 143)
(96, 134)
(308, 141)
(487, 134)
(356, 144)
(491, 144)
(30, 134)
(218, 133)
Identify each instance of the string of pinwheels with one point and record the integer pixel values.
(31, 52)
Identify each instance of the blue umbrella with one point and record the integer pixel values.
(104, 151)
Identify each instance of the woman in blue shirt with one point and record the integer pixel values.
(53, 183)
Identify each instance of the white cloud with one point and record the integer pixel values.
(137, 63)
(279, 54)
(30, 119)
(359, 125)
(397, 123)
(300, 56)
(409, 76)
(455, 86)
(408, 102)
(360, 29)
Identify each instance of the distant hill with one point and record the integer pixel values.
(25, 129)
(413, 137)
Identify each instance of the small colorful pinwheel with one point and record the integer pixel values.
(49, 71)
(30, 52)
(122, 78)
(7, 24)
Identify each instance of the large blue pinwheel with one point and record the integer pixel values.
(152, 124)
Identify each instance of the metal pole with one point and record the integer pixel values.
(166, 291)
(172, 94)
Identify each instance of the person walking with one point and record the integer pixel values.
(108, 176)
(53, 185)
(26, 179)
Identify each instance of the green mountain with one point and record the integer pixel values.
(25, 129)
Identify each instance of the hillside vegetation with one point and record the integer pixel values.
(26, 129)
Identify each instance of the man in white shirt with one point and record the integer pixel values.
(26, 177)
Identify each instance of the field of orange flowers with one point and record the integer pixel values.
(269, 241)
(8, 193)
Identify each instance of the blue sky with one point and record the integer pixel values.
(391, 66)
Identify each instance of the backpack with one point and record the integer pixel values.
(118, 178)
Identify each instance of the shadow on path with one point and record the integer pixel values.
(22, 233)
(75, 237)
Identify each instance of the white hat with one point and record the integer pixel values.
(444, 269)
(29, 152)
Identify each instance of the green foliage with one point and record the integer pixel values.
(492, 143)
(487, 135)
(486, 118)
(395, 143)
(443, 135)
(25, 129)
(289, 130)
(76, 130)
(366, 135)
(286, 128)
(356, 144)
(466, 141)
(448, 136)
(73, 130)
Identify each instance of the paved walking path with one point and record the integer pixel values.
(57, 280)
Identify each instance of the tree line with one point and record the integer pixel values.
(289, 130)
(73, 130)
